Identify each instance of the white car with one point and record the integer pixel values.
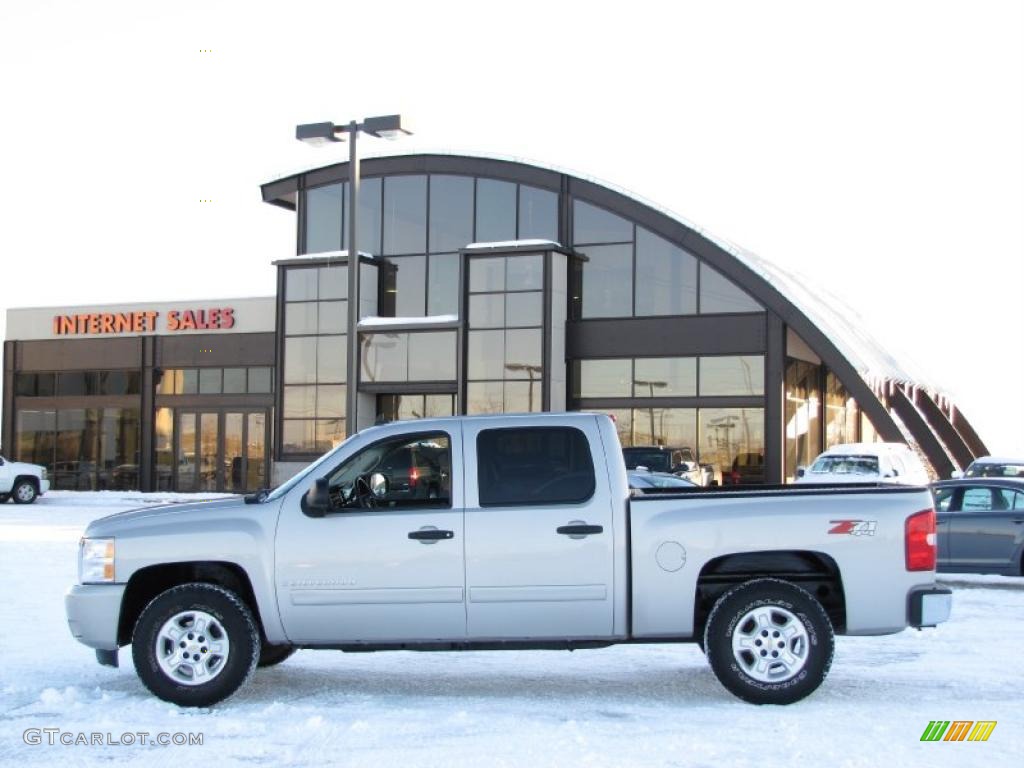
(22, 482)
(866, 463)
(993, 466)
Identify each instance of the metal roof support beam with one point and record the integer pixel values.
(920, 431)
(978, 448)
(942, 427)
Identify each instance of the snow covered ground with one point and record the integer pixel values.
(630, 705)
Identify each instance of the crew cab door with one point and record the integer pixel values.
(539, 535)
(378, 570)
(983, 532)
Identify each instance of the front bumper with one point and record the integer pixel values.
(93, 612)
(44, 486)
(929, 606)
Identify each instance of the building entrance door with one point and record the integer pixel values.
(220, 450)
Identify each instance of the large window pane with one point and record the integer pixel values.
(732, 440)
(298, 436)
(803, 408)
(487, 274)
(602, 378)
(719, 294)
(260, 380)
(185, 468)
(665, 377)
(255, 452)
(524, 273)
(369, 213)
(186, 382)
(523, 352)
(451, 213)
(523, 396)
(333, 280)
(485, 397)
(596, 225)
(323, 218)
(210, 381)
(485, 357)
(120, 383)
(608, 281)
(739, 375)
(385, 357)
(300, 318)
(487, 310)
(443, 284)
(495, 211)
(299, 402)
(234, 381)
(405, 214)
(666, 277)
(300, 360)
(538, 214)
(330, 401)
(328, 434)
(300, 284)
(34, 384)
(77, 449)
(333, 316)
(432, 356)
(840, 413)
(77, 383)
(410, 286)
(119, 449)
(35, 437)
(668, 427)
(331, 363)
(163, 446)
(521, 309)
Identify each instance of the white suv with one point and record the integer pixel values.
(22, 482)
(866, 463)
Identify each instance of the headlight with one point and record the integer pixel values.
(95, 561)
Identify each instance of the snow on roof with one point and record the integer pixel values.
(387, 322)
(515, 244)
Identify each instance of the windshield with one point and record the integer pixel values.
(995, 470)
(658, 461)
(846, 465)
(282, 489)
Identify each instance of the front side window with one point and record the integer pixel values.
(976, 500)
(535, 466)
(943, 499)
(417, 470)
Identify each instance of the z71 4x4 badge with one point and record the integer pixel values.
(853, 527)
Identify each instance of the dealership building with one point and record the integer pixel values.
(486, 286)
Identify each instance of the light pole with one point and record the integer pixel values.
(320, 134)
(531, 371)
(652, 385)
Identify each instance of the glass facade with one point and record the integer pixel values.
(802, 414)
(504, 368)
(721, 375)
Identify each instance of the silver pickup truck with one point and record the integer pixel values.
(503, 532)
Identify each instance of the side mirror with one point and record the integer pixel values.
(801, 471)
(957, 474)
(378, 485)
(317, 501)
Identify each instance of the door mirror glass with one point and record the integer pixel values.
(801, 471)
(378, 485)
(317, 500)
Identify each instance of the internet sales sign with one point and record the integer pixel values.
(144, 321)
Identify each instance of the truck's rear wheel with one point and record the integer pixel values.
(195, 644)
(271, 655)
(769, 642)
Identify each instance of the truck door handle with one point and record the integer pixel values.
(579, 530)
(430, 535)
(941, 522)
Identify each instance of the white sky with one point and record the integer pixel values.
(877, 147)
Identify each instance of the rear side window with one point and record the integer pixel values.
(534, 465)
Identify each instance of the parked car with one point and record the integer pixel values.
(540, 546)
(980, 525)
(22, 482)
(993, 466)
(747, 469)
(676, 461)
(643, 481)
(865, 463)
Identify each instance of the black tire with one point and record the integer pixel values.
(271, 655)
(229, 610)
(25, 492)
(815, 649)
(3, 498)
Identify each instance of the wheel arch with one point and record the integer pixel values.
(146, 583)
(816, 572)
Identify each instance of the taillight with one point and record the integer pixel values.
(920, 541)
(414, 475)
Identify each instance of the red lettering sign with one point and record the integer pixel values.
(143, 321)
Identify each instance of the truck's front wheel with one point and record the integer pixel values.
(195, 644)
(769, 642)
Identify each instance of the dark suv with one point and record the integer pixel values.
(415, 471)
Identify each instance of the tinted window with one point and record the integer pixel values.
(666, 277)
(323, 219)
(976, 500)
(451, 212)
(405, 214)
(719, 294)
(495, 211)
(538, 214)
(596, 225)
(534, 465)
